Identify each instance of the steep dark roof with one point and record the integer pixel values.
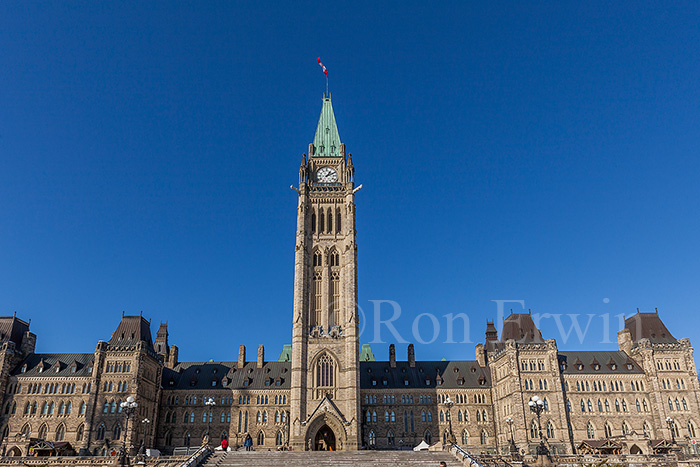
(12, 329)
(210, 375)
(454, 375)
(606, 360)
(131, 331)
(649, 326)
(48, 360)
(521, 327)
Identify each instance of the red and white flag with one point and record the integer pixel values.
(322, 66)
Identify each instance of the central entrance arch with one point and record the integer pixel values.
(325, 439)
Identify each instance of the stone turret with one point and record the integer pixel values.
(392, 356)
(411, 356)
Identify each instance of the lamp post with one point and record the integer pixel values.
(672, 426)
(449, 404)
(513, 448)
(537, 407)
(209, 403)
(146, 424)
(129, 408)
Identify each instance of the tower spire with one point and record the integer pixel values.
(327, 140)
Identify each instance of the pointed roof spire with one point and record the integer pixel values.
(327, 139)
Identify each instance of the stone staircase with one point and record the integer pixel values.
(329, 459)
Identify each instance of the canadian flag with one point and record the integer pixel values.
(325, 71)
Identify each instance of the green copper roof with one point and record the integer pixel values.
(286, 355)
(366, 354)
(327, 139)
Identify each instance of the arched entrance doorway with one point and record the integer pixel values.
(14, 452)
(325, 439)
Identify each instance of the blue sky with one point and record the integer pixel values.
(538, 151)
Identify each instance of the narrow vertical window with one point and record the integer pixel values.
(337, 220)
(330, 220)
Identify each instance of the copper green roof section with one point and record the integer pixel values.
(366, 354)
(327, 139)
(286, 355)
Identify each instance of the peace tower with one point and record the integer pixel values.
(325, 345)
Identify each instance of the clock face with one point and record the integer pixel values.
(326, 175)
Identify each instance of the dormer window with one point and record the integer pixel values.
(630, 366)
(405, 382)
(245, 383)
(460, 381)
(41, 368)
(579, 367)
(613, 366)
(213, 383)
(24, 368)
(374, 382)
(596, 366)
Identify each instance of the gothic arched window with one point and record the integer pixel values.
(465, 438)
(100, 432)
(550, 430)
(334, 292)
(590, 431)
(533, 430)
(325, 368)
(60, 432)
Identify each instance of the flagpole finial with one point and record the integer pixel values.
(325, 72)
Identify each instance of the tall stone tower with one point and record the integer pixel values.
(325, 403)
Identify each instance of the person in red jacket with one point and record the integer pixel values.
(224, 444)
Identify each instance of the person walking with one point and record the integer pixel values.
(224, 445)
(248, 443)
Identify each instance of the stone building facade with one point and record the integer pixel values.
(324, 391)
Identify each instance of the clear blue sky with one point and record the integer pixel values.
(541, 151)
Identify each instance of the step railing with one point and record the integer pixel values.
(197, 457)
(463, 455)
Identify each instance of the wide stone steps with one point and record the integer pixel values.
(329, 459)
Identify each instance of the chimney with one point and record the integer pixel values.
(392, 356)
(261, 356)
(172, 356)
(411, 356)
(241, 356)
(624, 341)
(480, 355)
